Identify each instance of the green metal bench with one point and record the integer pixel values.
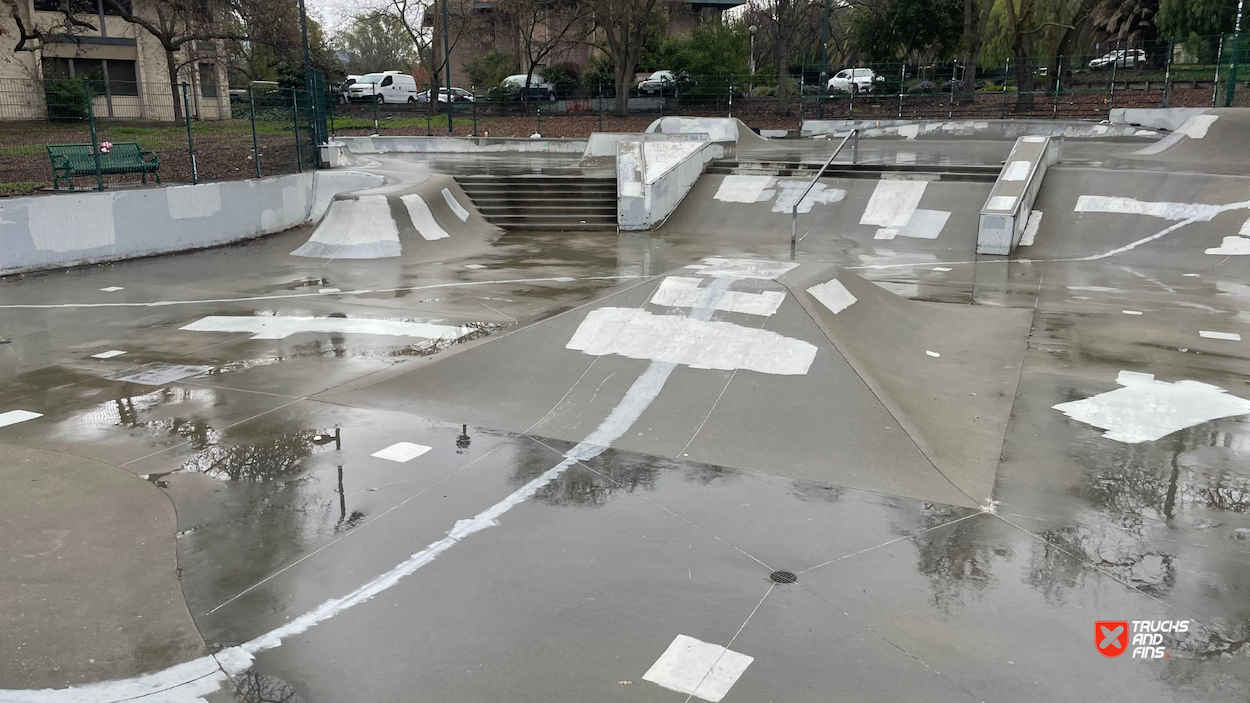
(69, 160)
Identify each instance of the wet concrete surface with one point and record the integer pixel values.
(279, 504)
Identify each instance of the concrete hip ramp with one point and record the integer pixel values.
(1218, 137)
(431, 221)
(947, 373)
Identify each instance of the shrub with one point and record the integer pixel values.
(922, 87)
(66, 100)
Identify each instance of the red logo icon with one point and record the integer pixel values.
(1111, 637)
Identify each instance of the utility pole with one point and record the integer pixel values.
(824, 58)
(447, 64)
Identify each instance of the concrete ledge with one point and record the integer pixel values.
(459, 145)
(973, 129)
(1170, 118)
(601, 147)
(652, 178)
(1006, 212)
(87, 227)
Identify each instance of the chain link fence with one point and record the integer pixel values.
(261, 130)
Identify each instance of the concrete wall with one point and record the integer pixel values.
(601, 147)
(1170, 118)
(459, 145)
(72, 229)
(974, 129)
(654, 176)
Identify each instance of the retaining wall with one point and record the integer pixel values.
(72, 229)
(459, 145)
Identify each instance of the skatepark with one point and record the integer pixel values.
(451, 418)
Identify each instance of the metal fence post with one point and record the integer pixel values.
(299, 156)
(1054, 111)
(186, 116)
(1230, 91)
(540, 118)
(1115, 62)
(1215, 84)
(1006, 73)
(1167, 77)
(474, 91)
(374, 99)
(600, 106)
(95, 146)
(251, 104)
(902, 78)
(429, 111)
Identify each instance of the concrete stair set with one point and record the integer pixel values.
(744, 167)
(560, 203)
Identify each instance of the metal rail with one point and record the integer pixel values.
(794, 213)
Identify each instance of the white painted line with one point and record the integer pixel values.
(422, 218)
(455, 205)
(1146, 409)
(401, 452)
(13, 417)
(108, 354)
(638, 334)
(1033, 139)
(892, 203)
(833, 295)
(1030, 228)
(1190, 275)
(885, 233)
(1001, 203)
(1196, 127)
(1095, 289)
(474, 266)
(1131, 312)
(329, 290)
(941, 269)
(1016, 171)
(282, 326)
(1133, 206)
(157, 374)
(698, 267)
(1232, 246)
(1227, 336)
(682, 292)
(698, 669)
(932, 353)
(112, 289)
(744, 189)
(745, 268)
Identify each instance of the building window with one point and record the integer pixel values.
(107, 76)
(111, 6)
(206, 47)
(208, 80)
(80, 7)
(123, 78)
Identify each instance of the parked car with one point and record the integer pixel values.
(1122, 58)
(342, 89)
(388, 87)
(540, 88)
(659, 83)
(856, 80)
(458, 95)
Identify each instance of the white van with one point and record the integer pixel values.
(388, 87)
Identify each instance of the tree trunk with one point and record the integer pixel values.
(1024, 78)
(781, 56)
(623, 77)
(175, 91)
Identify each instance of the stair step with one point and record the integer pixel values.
(551, 203)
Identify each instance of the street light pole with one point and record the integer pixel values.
(447, 64)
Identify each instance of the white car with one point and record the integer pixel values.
(855, 80)
(1122, 58)
(459, 95)
(388, 87)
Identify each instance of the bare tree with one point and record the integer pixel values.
(626, 26)
(543, 26)
(31, 35)
(422, 21)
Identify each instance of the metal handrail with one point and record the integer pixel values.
(794, 213)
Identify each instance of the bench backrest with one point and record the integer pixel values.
(128, 152)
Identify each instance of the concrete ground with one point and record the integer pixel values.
(317, 510)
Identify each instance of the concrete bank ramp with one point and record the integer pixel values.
(947, 373)
(757, 383)
(1219, 137)
(718, 129)
(431, 221)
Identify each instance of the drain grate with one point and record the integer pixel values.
(783, 577)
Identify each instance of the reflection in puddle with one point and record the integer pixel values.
(254, 687)
(958, 559)
(265, 461)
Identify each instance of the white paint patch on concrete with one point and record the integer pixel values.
(1131, 312)
(158, 374)
(282, 326)
(1146, 409)
(1030, 228)
(1232, 246)
(909, 131)
(638, 334)
(1190, 275)
(13, 417)
(924, 224)
(886, 233)
(681, 292)
(893, 202)
(329, 290)
(356, 228)
(474, 266)
(698, 669)
(941, 269)
(1196, 127)
(932, 353)
(1001, 203)
(455, 205)
(1095, 289)
(190, 202)
(1226, 336)
(1245, 229)
(1133, 206)
(833, 295)
(745, 268)
(789, 192)
(423, 218)
(1016, 171)
(401, 452)
(112, 289)
(742, 189)
(108, 354)
(67, 223)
